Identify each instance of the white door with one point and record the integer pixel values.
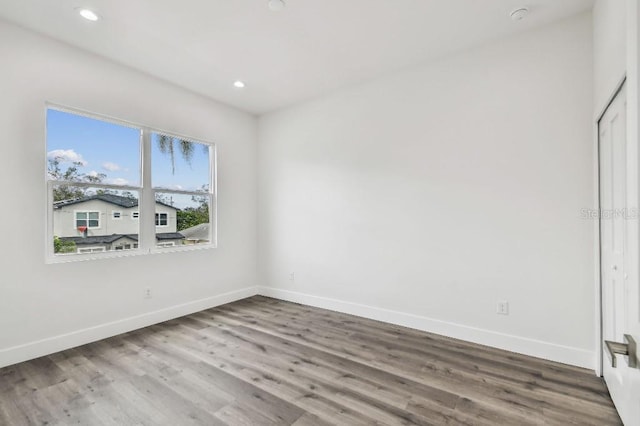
(619, 257)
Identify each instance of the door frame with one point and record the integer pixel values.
(598, 228)
(632, 78)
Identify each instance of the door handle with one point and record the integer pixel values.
(629, 348)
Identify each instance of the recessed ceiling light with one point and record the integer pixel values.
(88, 14)
(276, 5)
(239, 84)
(519, 14)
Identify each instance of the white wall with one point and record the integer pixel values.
(609, 49)
(43, 307)
(427, 196)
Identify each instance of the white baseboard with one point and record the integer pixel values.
(537, 348)
(32, 350)
(550, 351)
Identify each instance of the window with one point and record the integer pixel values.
(97, 170)
(91, 250)
(87, 220)
(162, 219)
(183, 185)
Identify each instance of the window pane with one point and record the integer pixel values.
(161, 219)
(82, 149)
(187, 219)
(179, 164)
(84, 223)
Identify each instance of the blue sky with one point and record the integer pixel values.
(113, 149)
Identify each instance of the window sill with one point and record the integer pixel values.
(74, 257)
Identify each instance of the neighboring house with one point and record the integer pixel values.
(197, 234)
(108, 222)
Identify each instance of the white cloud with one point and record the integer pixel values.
(66, 156)
(112, 167)
(93, 173)
(117, 181)
(178, 187)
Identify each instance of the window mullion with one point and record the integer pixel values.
(49, 234)
(213, 195)
(147, 196)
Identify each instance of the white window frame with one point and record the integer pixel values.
(75, 219)
(146, 196)
(158, 220)
(167, 244)
(113, 215)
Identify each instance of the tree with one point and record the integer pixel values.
(192, 216)
(164, 199)
(129, 195)
(60, 246)
(167, 145)
(71, 174)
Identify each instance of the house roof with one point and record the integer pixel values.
(118, 200)
(199, 232)
(169, 236)
(99, 239)
(108, 239)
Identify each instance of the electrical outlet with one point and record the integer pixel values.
(502, 308)
(292, 276)
(147, 293)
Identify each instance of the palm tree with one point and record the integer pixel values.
(167, 145)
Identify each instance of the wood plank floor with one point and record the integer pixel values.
(262, 361)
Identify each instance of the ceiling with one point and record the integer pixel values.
(308, 48)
